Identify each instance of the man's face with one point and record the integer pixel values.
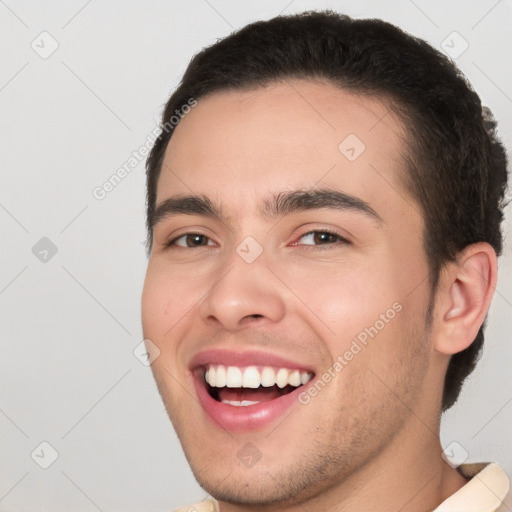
(287, 289)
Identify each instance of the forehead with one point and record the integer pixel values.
(240, 145)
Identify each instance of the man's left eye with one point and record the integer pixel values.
(321, 238)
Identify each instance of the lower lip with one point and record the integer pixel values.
(243, 419)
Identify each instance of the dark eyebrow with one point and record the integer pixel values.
(283, 203)
(188, 205)
(315, 199)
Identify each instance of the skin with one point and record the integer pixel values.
(370, 439)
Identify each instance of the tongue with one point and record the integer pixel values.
(260, 394)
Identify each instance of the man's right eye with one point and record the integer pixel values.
(189, 240)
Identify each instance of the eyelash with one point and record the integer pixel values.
(344, 241)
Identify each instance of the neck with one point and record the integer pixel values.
(409, 474)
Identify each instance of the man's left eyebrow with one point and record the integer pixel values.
(314, 199)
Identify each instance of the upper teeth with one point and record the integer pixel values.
(219, 376)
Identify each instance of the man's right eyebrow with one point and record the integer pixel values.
(188, 205)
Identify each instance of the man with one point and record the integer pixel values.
(323, 223)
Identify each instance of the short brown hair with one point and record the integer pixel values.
(457, 168)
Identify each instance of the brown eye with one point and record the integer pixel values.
(190, 240)
(321, 238)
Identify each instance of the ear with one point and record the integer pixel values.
(464, 295)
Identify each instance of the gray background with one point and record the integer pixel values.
(70, 323)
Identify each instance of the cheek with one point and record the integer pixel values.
(169, 293)
(167, 302)
(360, 313)
(345, 296)
(154, 297)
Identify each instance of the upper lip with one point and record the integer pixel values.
(244, 358)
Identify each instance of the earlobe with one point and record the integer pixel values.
(466, 290)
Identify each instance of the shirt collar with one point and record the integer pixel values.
(485, 491)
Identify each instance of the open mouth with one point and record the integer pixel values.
(251, 385)
(247, 390)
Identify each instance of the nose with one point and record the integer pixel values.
(243, 294)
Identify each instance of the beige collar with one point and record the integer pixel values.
(485, 491)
